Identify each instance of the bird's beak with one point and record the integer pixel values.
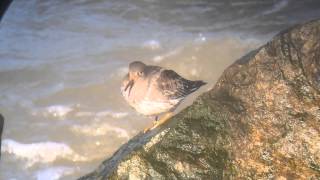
(129, 85)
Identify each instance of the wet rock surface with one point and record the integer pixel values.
(1, 129)
(260, 121)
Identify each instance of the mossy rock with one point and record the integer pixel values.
(260, 121)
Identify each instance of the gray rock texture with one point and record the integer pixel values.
(1, 129)
(260, 121)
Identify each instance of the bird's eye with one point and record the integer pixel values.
(139, 73)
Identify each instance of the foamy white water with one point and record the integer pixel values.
(58, 111)
(54, 173)
(61, 63)
(41, 152)
(276, 7)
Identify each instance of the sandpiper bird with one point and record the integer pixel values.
(153, 90)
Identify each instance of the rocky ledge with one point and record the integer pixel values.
(260, 121)
(1, 129)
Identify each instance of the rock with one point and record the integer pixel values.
(1, 129)
(260, 121)
(4, 4)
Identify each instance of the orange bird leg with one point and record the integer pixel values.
(162, 120)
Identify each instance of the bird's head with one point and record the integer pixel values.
(136, 71)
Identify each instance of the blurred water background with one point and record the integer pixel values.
(61, 63)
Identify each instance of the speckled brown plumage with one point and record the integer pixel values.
(153, 90)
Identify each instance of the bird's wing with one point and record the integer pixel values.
(174, 86)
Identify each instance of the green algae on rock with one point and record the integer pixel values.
(260, 121)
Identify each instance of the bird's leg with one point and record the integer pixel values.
(156, 118)
(162, 120)
(153, 124)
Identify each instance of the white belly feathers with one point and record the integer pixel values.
(147, 107)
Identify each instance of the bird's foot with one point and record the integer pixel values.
(156, 124)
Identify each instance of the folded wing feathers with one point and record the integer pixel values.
(174, 86)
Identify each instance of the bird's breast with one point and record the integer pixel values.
(136, 94)
(149, 107)
(147, 100)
